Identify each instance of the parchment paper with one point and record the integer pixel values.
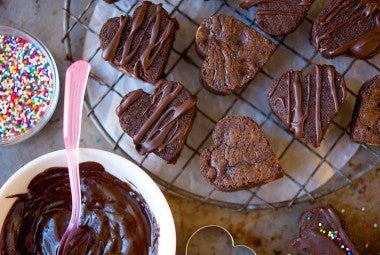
(303, 164)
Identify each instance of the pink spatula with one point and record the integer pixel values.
(75, 84)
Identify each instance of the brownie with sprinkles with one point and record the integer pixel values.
(322, 232)
(139, 45)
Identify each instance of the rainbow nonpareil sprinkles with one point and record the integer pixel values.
(334, 235)
(26, 87)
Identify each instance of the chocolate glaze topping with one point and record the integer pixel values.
(161, 126)
(348, 26)
(115, 219)
(302, 105)
(317, 242)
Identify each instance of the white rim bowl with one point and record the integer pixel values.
(114, 164)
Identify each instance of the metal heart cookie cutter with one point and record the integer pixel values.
(214, 239)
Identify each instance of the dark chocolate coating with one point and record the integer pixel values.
(160, 122)
(348, 27)
(307, 104)
(278, 17)
(114, 220)
(365, 125)
(240, 156)
(315, 227)
(139, 45)
(233, 53)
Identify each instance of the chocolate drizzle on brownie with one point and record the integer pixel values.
(299, 116)
(139, 41)
(318, 90)
(348, 26)
(155, 43)
(233, 53)
(304, 95)
(246, 4)
(321, 232)
(278, 17)
(163, 122)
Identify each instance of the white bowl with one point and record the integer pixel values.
(114, 164)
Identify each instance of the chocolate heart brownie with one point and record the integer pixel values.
(233, 53)
(348, 26)
(307, 104)
(159, 122)
(139, 45)
(322, 232)
(240, 157)
(278, 17)
(365, 125)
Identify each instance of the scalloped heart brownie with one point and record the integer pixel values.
(240, 156)
(159, 122)
(233, 53)
(139, 45)
(307, 104)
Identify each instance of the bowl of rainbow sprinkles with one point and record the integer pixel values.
(29, 85)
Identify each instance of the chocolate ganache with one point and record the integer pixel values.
(115, 219)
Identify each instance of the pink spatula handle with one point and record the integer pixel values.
(75, 85)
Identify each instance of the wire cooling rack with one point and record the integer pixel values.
(76, 25)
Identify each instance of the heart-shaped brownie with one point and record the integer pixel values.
(159, 122)
(139, 45)
(365, 125)
(278, 17)
(233, 53)
(348, 26)
(322, 232)
(240, 157)
(307, 104)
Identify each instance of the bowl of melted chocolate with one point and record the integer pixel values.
(123, 210)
